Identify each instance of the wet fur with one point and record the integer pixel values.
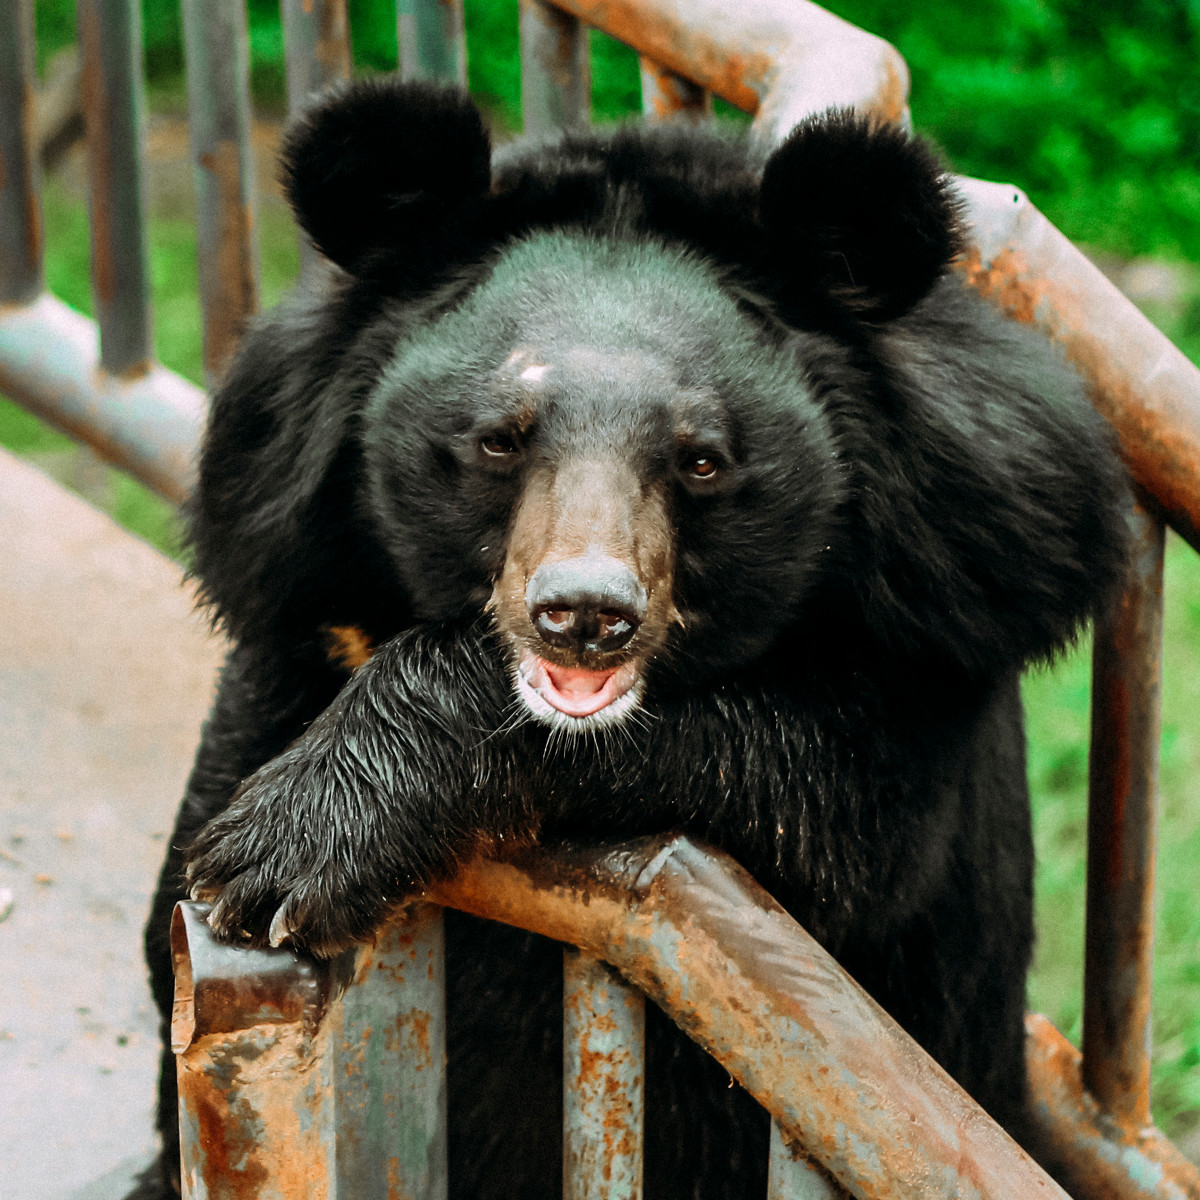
(839, 710)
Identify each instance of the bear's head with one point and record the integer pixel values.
(603, 415)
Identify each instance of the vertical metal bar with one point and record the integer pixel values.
(666, 95)
(433, 40)
(110, 37)
(555, 71)
(1126, 703)
(389, 1047)
(20, 178)
(790, 1176)
(218, 76)
(255, 1096)
(316, 40)
(603, 1082)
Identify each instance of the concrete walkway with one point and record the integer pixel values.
(105, 677)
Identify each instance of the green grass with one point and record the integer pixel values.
(1066, 99)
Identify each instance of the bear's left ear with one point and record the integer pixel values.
(859, 212)
(381, 173)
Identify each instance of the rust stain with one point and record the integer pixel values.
(892, 100)
(1006, 282)
(395, 1185)
(411, 1034)
(228, 1136)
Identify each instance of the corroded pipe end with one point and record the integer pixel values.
(221, 988)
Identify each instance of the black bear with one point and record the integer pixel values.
(649, 484)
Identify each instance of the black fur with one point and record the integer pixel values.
(917, 502)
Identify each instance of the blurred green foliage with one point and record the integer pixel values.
(1092, 108)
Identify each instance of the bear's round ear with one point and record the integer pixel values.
(860, 213)
(379, 167)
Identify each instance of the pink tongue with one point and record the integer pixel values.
(574, 681)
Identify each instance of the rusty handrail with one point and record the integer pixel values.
(689, 928)
(686, 926)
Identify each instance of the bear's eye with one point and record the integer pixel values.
(498, 445)
(699, 466)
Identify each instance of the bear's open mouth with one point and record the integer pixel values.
(553, 692)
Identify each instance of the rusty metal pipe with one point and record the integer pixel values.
(604, 1082)
(1122, 801)
(20, 176)
(110, 38)
(790, 1176)
(317, 53)
(667, 96)
(701, 939)
(1100, 1159)
(314, 1080)
(433, 40)
(556, 89)
(149, 423)
(388, 1041)
(256, 1105)
(316, 41)
(779, 59)
(218, 77)
(1143, 385)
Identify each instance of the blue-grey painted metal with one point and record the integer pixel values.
(790, 1176)
(667, 96)
(149, 422)
(20, 201)
(316, 40)
(388, 1040)
(555, 73)
(604, 1069)
(218, 78)
(433, 40)
(110, 40)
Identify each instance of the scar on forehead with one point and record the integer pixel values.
(534, 372)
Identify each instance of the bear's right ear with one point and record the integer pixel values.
(379, 172)
(859, 215)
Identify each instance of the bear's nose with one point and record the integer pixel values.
(593, 603)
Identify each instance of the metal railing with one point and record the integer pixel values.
(780, 60)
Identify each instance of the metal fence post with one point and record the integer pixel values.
(388, 1038)
(20, 181)
(433, 40)
(604, 1073)
(1126, 703)
(110, 36)
(555, 73)
(218, 77)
